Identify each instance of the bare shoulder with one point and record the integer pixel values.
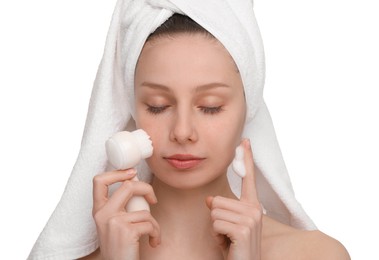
(94, 256)
(280, 241)
(317, 245)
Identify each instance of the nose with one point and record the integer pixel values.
(183, 128)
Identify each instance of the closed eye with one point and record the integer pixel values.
(211, 110)
(155, 110)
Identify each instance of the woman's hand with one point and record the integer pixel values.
(119, 231)
(237, 225)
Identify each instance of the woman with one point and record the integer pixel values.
(190, 94)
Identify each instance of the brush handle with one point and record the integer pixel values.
(137, 203)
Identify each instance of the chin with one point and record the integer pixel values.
(187, 180)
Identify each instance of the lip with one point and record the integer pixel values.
(184, 161)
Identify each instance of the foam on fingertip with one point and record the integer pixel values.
(238, 164)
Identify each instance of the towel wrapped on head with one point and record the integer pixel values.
(71, 232)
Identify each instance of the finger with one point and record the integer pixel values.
(134, 225)
(221, 240)
(154, 241)
(145, 216)
(237, 234)
(122, 195)
(249, 191)
(147, 228)
(226, 228)
(208, 202)
(239, 207)
(230, 216)
(101, 183)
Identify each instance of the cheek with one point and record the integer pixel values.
(224, 135)
(229, 127)
(147, 122)
(155, 128)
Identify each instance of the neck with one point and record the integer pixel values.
(184, 211)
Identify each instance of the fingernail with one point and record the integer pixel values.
(131, 171)
(247, 143)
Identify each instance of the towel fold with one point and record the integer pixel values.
(70, 232)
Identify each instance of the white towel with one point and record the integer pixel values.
(70, 232)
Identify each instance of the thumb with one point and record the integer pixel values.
(208, 202)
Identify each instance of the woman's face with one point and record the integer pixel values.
(190, 100)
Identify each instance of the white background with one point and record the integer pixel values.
(321, 89)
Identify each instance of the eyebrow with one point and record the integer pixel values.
(212, 85)
(155, 86)
(199, 88)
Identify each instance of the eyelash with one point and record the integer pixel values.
(155, 110)
(211, 110)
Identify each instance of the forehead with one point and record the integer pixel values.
(185, 57)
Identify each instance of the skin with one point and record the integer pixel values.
(189, 99)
